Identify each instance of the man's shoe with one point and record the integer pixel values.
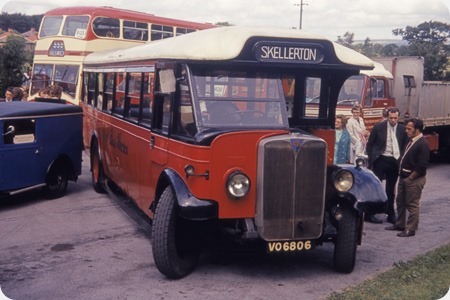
(407, 233)
(391, 219)
(394, 227)
(372, 219)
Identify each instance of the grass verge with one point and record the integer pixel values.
(425, 277)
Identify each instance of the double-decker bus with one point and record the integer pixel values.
(68, 34)
(214, 134)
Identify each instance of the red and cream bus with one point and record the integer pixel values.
(204, 143)
(68, 34)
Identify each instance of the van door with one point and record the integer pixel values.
(21, 165)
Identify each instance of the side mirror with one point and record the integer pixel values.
(11, 130)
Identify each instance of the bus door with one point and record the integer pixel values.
(165, 87)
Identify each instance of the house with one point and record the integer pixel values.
(29, 36)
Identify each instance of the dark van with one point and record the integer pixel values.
(40, 147)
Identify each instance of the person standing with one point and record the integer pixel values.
(355, 127)
(385, 146)
(413, 169)
(342, 141)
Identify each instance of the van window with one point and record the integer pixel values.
(19, 131)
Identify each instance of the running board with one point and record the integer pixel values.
(26, 189)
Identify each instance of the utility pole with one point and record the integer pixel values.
(301, 12)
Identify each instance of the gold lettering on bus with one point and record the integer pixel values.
(116, 142)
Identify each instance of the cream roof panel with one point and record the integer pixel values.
(379, 70)
(222, 43)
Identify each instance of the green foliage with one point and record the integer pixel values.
(346, 40)
(429, 40)
(19, 22)
(13, 58)
(425, 277)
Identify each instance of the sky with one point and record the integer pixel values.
(330, 18)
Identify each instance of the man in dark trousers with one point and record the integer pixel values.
(386, 143)
(413, 168)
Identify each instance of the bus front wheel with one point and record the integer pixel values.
(174, 245)
(346, 242)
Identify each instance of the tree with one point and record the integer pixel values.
(19, 22)
(428, 40)
(13, 58)
(347, 40)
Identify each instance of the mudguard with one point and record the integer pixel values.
(190, 207)
(367, 194)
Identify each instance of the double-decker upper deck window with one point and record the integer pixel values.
(50, 26)
(160, 32)
(75, 26)
(181, 30)
(135, 31)
(106, 27)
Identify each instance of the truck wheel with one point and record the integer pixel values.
(56, 180)
(174, 246)
(97, 170)
(346, 242)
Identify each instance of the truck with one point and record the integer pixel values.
(417, 98)
(372, 90)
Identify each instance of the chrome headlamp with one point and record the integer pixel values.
(238, 185)
(343, 180)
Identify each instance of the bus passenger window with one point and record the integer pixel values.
(134, 94)
(100, 91)
(106, 27)
(146, 101)
(160, 32)
(119, 98)
(135, 31)
(108, 95)
(92, 79)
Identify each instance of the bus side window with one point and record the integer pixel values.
(92, 79)
(108, 95)
(146, 100)
(99, 103)
(119, 97)
(106, 27)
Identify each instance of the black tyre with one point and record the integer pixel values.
(346, 241)
(57, 180)
(175, 248)
(97, 170)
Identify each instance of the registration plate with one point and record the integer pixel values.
(288, 246)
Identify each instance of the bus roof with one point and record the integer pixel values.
(19, 109)
(107, 11)
(379, 70)
(219, 44)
